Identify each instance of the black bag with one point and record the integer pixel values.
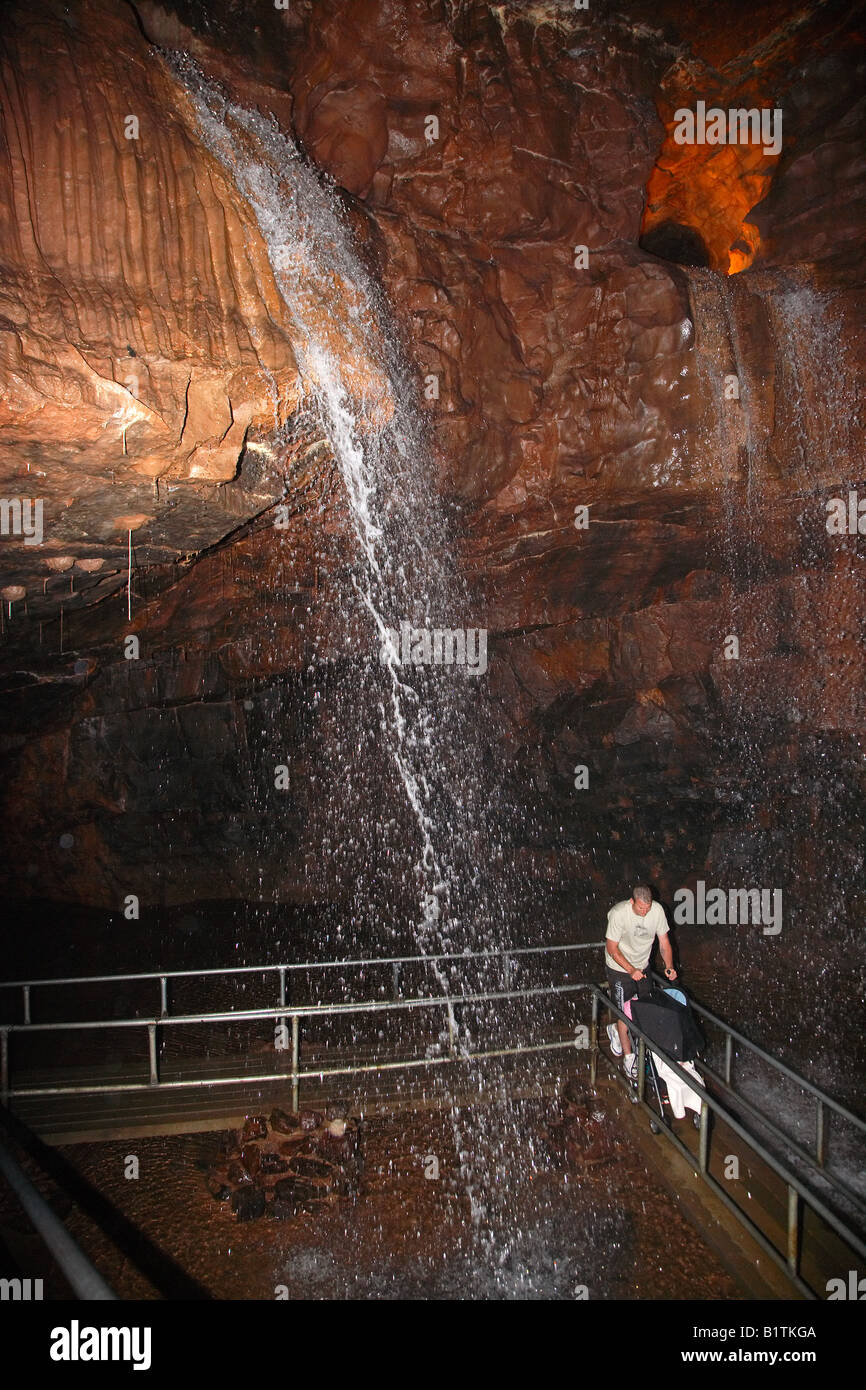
(669, 1024)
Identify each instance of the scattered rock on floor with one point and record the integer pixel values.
(287, 1163)
(580, 1131)
(248, 1203)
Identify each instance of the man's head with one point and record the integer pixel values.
(641, 900)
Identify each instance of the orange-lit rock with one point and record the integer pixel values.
(709, 188)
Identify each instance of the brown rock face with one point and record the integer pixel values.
(638, 448)
(144, 343)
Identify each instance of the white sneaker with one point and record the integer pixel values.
(613, 1039)
(629, 1066)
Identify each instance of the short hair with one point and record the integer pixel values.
(642, 894)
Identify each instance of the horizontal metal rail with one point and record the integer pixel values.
(790, 1261)
(816, 1161)
(280, 1012)
(86, 1281)
(452, 1053)
(504, 951)
(314, 1073)
(819, 1168)
(431, 1001)
(285, 1012)
(779, 1066)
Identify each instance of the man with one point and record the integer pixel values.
(632, 927)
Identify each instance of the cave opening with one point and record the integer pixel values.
(676, 242)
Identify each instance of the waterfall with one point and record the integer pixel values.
(357, 382)
(816, 376)
(791, 439)
(359, 389)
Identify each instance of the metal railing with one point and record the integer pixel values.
(282, 1013)
(823, 1102)
(798, 1194)
(84, 1279)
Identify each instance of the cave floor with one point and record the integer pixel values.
(610, 1230)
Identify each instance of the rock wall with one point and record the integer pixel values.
(502, 168)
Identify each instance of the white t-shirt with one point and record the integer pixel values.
(634, 935)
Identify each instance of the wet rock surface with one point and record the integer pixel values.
(285, 1164)
(581, 1132)
(558, 386)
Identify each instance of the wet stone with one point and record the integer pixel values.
(283, 1209)
(296, 1190)
(283, 1122)
(272, 1163)
(291, 1146)
(305, 1166)
(248, 1203)
(255, 1127)
(251, 1159)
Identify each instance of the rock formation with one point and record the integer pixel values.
(287, 1164)
(637, 446)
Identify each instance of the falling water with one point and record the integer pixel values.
(356, 379)
(730, 436)
(793, 436)
(817, 380)
(399, 534)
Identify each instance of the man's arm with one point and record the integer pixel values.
(667, 955)
(616, 954)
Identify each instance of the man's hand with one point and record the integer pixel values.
(670, 972)
(638, 975)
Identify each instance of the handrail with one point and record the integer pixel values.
(292, 1011)
(774, 1061)
(306, 965)
(798, 1192)
(796, 1188)
(286, 1011)
(280, 1012)
(84, 1279)
(817, 1161)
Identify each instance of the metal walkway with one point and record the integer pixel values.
(149, 1054)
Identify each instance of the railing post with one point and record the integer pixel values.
(4, 1064)
(593, 1041)
(793, 1230)
(280, 1030)
(154, 1059)
(728, 1055)
(506, 971)
(704, 1138)
(451, 1038)
(296, 1052)
(27, 1018)
(820, 1134)
(641, 1069)
(163, 996)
